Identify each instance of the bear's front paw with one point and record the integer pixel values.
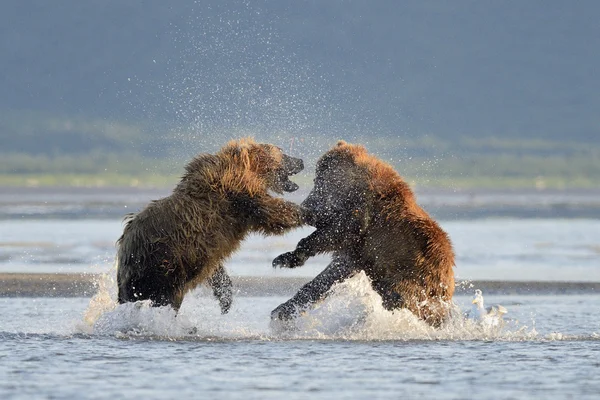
(287, 260)
(284, 312)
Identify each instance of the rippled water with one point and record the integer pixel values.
(347, 347)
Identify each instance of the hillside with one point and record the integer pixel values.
(478, 82)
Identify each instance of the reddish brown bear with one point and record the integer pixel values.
(367, 216)
(177, 242)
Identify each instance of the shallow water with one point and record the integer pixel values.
(348, 347)
(492, 248)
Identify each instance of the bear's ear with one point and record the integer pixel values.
(341, 143)
(237, 146)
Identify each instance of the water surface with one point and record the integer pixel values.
(346, 347)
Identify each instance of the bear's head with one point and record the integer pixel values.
(277, 167)
(340, 181)
(258, 167)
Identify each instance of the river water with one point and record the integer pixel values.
(548, 345)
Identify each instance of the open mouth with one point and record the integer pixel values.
(289, 186)
(286, 184)
(292, 167)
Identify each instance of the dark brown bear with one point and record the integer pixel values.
(180, 241)
(367, 216)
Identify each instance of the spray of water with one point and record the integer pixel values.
(352, 311)
(105, 298)
(234, 72)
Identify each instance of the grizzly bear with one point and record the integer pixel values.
(180, 241)
(367, 216)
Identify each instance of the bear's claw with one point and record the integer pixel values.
(287, 260)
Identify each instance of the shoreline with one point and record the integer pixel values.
(114, 202)
(85, 285)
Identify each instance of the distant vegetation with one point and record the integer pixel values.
(97, 153)
(456, 93)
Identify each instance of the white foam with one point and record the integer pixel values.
(199, 316)
(353, 311)
(141, 318)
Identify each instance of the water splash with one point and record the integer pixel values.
(140, 318)
(199, 317)
(104, 300)
(353, 311)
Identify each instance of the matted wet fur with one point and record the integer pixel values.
(177, 242)
(367, 216)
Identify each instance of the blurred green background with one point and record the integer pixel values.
(455, 94)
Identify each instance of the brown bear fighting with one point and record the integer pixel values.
(177, 242)
(367, 216)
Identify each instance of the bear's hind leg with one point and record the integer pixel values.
(390, 299)
(160, 290)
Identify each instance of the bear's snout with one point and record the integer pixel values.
(292, 165)
(315, 205)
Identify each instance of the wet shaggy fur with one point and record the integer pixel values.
(368, 218)
(180, 241)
